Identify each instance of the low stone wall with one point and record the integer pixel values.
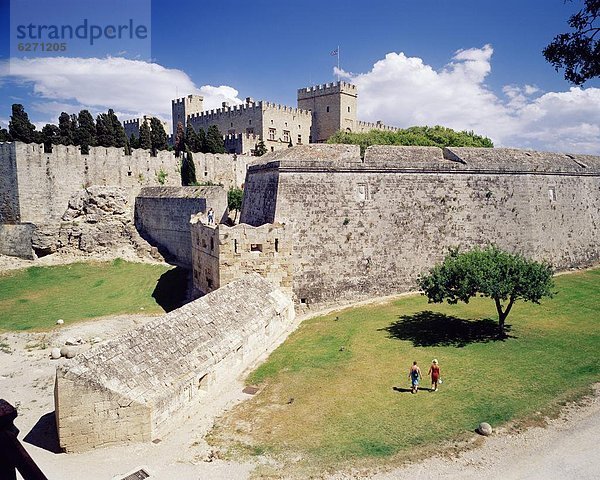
(130, 388)
(162, 216)
(15, 240)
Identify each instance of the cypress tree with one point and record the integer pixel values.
(260, 149)
(104, 131)
(214, 140)
(50, 136)
(145, 140)
(188, 169)
(85, 135)
(202, 141)
(134, 142)
(179, 140)
(158, 135)
(120, 139)
(192, 141)
(65, 127)
(19, 127)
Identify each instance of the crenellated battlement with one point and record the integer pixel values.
(188, 98)
(379, 125)
(132, 121)
(242, 108)
(327, 89)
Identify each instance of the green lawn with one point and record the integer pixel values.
(36, 297)
(341, 370)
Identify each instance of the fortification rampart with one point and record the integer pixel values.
(360, 126)
(326, 89)
(134, 388)
(35, 187)
(162, 217)
(370, 227)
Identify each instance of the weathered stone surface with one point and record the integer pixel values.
(129, 388)
(55, 353)
(370, 228)
(484, 429)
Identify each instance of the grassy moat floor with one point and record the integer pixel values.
(336, 393)
(36, 297)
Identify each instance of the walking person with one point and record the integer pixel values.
(434, 372)
(415, 375)
(211, 216)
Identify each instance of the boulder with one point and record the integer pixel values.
(55, 353)
(484, 429)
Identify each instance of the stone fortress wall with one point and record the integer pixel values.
(132, 388)
(369, 227)
(35, 187)
(162, 217)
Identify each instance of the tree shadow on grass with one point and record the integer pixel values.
(44, 434)
(433, 329)
(173, 289)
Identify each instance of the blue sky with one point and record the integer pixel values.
(402, 55)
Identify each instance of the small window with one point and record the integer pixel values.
(250, 122)
(299, 139)
(129, 174)
(552, 193)
(286, 136)
(209, 282)
(304, 301)
(328, 109)
(235, 246)
(271, 122)
(272, 149)
(299, 127)
(212, 244)
(362, 190)
(286, 124)
(203, 243)
(256, 247)
(232, 124)
(272, 133)
(276, 244)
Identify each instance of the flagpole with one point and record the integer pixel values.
(338, 59)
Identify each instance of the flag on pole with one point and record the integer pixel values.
(335, 52)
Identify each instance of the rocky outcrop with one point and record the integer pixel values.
(98, 219)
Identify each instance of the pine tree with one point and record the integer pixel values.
(202, 141)
(85, 134)
(145, 140)
(214, 140)
(188, 169)
(104, 131)
(191, 139)
(50, 136)
(19, 127)
(65, 127)
(179, 140)
(158, 135)
(120, 139)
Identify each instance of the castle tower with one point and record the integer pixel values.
(181, 108)
(333, 108)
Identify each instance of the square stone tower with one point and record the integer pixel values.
(333, 107)
(181, 108)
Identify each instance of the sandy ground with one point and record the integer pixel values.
(567, 448)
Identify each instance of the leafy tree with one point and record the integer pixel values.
(120, 138)
(192, 141)
(202, 147)
(214, 140)
(180, 140)
(145, 140)
(65, 126)
(158, 135)
(234, 200)
(51, 135)
(105, 134)
(5, 136)
(578, 52)
(20, 128)
(489, 272)
(188, 169)
(260, 149)
(418, 136)
(85, 134)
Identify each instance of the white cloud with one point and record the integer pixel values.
(131, 87)
(405, 91)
